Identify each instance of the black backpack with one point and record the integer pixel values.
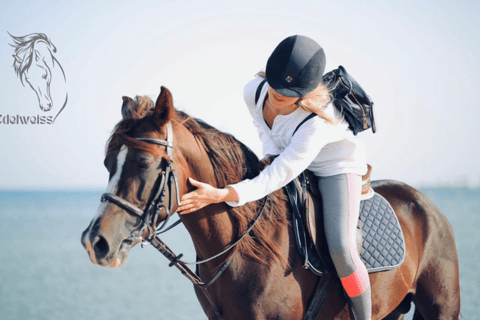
(348, 97)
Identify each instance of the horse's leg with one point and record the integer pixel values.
(437, 293)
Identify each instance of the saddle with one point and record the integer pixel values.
(379, 238)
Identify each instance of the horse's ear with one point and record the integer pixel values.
(164, 107)
(17, 59)
(127, 106)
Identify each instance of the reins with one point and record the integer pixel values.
(168, 180)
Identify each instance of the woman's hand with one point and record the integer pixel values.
(204, 195)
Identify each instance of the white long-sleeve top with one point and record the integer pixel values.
(323, 148)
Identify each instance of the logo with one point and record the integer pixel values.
(35, 63)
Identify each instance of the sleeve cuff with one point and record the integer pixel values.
(232, 203)
(238, 189)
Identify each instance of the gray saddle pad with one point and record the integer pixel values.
(383, 246)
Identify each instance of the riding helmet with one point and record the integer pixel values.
(296, 66)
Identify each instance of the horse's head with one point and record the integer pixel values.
(33, 61)
(140, 180)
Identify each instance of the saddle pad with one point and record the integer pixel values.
(383, 246)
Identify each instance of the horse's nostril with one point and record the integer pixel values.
(101, 247)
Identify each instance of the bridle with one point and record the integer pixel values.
(168, 180)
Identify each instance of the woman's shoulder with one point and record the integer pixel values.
(250, 90)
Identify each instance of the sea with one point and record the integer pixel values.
(45, 273)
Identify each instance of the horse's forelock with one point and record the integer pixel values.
(142, 108)
(27, 59)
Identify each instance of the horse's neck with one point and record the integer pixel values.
(211, 230)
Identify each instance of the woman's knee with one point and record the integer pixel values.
(343, 260)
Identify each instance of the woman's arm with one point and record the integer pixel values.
(204, 195)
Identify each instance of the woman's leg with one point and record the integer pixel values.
(341, 204)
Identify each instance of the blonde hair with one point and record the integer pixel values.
(315, 101)
(261, 74)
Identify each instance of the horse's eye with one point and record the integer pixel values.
(143, 164)
(44, 76)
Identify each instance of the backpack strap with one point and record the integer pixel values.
(310, 116)
(259, 89)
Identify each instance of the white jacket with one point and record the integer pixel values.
(323, 148)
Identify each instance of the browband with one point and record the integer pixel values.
(166, 143)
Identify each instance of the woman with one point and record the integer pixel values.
(323, 144)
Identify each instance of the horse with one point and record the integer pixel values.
(35, 62)
(265, 279)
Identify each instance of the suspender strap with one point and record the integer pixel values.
(259, 90)
(310, 116)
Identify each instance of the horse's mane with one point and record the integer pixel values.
(24, 47)
(225, 152)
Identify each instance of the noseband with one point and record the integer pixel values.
(168, 179)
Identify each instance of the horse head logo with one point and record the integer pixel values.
(34, 62)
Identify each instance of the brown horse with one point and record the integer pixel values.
(265, 279)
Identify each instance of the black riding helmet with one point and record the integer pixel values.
(296, 66)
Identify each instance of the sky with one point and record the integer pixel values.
(418, 60)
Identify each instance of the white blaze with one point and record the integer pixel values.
(112, 184)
